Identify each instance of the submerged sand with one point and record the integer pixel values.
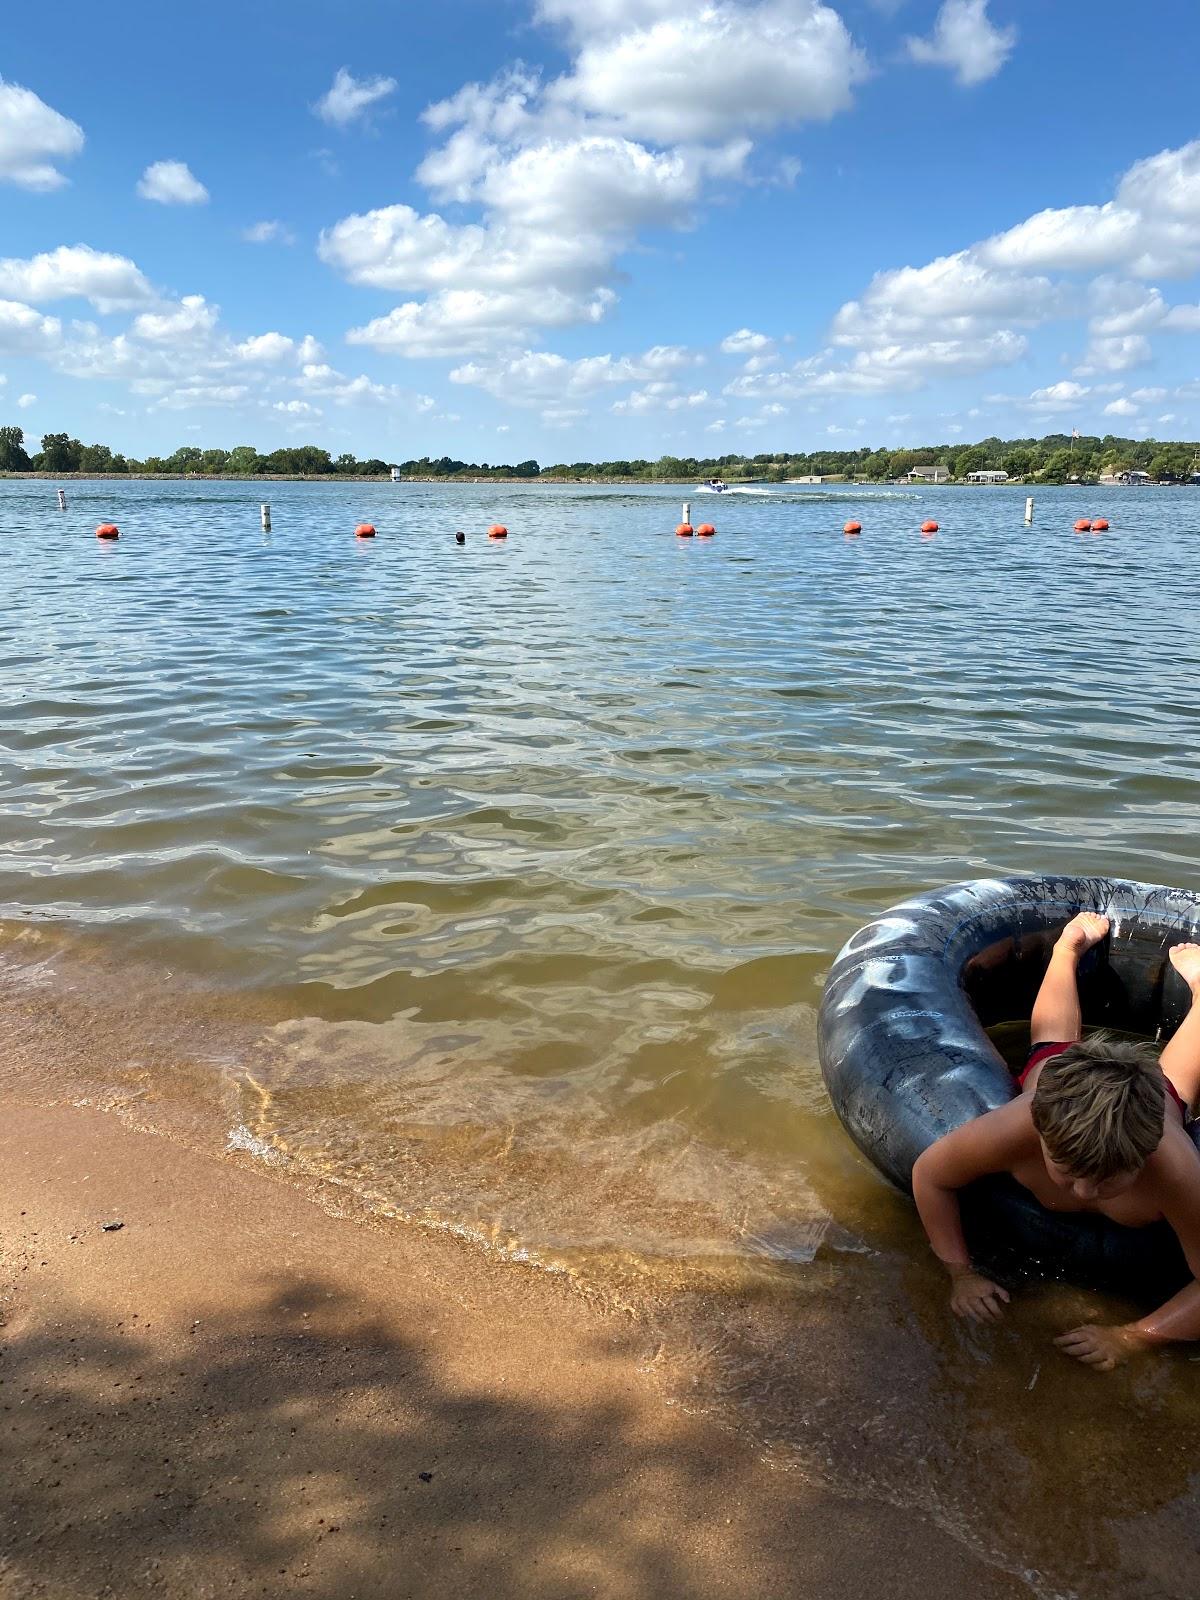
(242, 1391)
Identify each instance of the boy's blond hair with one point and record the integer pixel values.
(1100, 1107)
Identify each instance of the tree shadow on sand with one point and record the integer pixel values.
(294, 1448)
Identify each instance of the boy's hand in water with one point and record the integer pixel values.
(976, 1298)
(1102, 1348)
(1083, 931)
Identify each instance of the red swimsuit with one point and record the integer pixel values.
(1043, 1052)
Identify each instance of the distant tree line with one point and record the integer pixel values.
(1057, 458)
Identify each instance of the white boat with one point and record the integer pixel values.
(716, 486)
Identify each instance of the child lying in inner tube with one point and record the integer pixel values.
(1098, 1126)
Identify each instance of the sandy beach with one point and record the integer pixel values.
(240, 1392)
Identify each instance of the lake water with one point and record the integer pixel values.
(498, 882)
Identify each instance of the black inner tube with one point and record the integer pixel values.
(906, 1057)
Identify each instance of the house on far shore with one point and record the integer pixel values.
(938, 474)
(397, 475)
(987, 477)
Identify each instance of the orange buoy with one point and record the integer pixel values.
(705, 530)
(497, 531)
(108, 530)
(685, 530)
(852, 527)
(365, 530)
(1084, 525)
(929, 527)
(1099, 525)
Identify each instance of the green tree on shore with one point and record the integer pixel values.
(13, 455)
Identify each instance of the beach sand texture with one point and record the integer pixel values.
(239, 1393)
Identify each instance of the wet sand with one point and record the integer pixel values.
(243, 1391)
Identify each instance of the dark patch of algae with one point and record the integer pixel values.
(820, 1330)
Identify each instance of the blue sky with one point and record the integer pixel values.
(588, 229)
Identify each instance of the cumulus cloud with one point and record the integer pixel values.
(965, 40)
(558, 214)
(350, 98)
(660, 103)
(539, 377)
(718, 71)
(660, 396)
(1120, 408)
(26, 332)
(33, 139)
(110, 282)
(962, 310)
(171, 183)
(26, 400)
(1150, 229)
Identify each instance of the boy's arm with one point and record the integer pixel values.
(1178, 1321)
(990, 1143)
(1056, 1016)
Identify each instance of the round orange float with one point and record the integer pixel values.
(929, 527)
(685, 530)
(365, 530)
(497, 531)
(705, 530)
(108, 530)
(1099, 525)
(852, 527)
(1084, 525)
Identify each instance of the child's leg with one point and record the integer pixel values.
(1056, 1015)
(1181, 1056)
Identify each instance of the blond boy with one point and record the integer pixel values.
(1097, 1126)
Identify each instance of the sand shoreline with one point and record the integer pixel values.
(241, 1391)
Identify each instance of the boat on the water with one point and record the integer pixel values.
(906, 1055)
(716, 486)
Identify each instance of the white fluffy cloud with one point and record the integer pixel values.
(559, 213)
(660, 103)
(1120, 408)
(470, 321)
(539, 378)
(963, 311)
(33, 139)
(1150, 229)
(965, 40)
(110, 282)
(745, 342)
(712, 72)
(350, 98)
(954, 294)
(171, 183)
(24, 331)
(26, 400)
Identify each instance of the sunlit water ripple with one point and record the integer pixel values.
(516, 867)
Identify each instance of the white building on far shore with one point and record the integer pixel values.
(987, 477)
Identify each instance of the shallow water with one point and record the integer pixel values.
(499, 882)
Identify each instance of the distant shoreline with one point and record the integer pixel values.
(350, 477)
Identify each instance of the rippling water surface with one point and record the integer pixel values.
(498, 883)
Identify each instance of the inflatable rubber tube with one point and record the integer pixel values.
(905, 1056)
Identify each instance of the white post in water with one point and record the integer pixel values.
(1029, 512)
(266, 518)
(687, 512)
(62, 499)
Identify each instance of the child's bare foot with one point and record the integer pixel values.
(1185, 958)
(1083, 931)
